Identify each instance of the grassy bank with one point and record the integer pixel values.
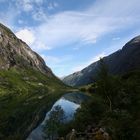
(25, 96)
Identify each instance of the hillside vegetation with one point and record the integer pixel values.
(28, 87)
(25, 96)
(114, 106)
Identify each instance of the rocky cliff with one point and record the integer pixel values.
(124, 60)
(16, 53)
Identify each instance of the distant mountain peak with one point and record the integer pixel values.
(135, 40)
(121, 61)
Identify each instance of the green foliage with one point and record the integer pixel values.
(114, 105)
(120, 124)
(25, 96)
(90, 112)
(56, 119)
(121, 95)
(108, 86)
(89, 88)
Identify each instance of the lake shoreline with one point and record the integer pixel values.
(63, 96)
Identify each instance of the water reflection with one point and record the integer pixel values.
(69, 103)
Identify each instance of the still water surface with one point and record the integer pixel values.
(70, 102)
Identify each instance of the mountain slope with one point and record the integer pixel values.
(15, 52)
(27, 87)
(126, 59)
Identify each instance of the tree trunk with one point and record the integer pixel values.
(110, 103)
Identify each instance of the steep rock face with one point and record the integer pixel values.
(126, 59)
(16, 53)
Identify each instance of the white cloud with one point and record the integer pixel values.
(20, 21)
(52, 5)
(68, 27)
(116, 38)
(51, 59)
(61, 29)
(60, 65)
(56, 62)
(39, 15)
(25, 5)
(86, 26)
(90, 25)
(28, 5)
(83, 65)
(55, 4)
(26, 35)
(37, 46)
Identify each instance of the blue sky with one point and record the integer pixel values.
(71, 34)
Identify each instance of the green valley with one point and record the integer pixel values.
(28, 87)
(25, 95)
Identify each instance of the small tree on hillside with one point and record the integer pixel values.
(108, 85)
